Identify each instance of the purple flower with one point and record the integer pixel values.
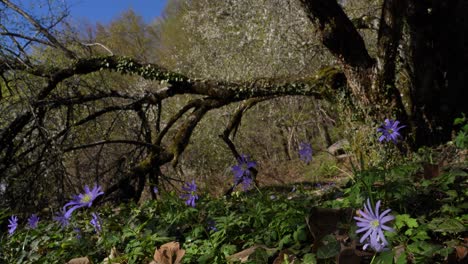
(13, 224)
(242, 171)
(190, 196)
(62, 218)
(33, 220)
(82, 200)
(155, 190)
(372, 222)
(305, 152)
(96, 222)
(389, 130)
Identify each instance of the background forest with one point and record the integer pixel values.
(235, 131)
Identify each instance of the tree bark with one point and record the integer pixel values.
(437, 69)
(342, 39)
(437, 33)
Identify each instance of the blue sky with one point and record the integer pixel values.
(104, 11)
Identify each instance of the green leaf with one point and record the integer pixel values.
(452, 193)
(420, 235)
(260, 255)
(285, 240)
(423, 248)
(330, 247)
(448, 225)
(459, 120)
(405, 220)
(445, 251)
(449, 209)
(309, 258)
(385, 257)
(401, 259)
(207, 258)
(228, 249)
(300, 234)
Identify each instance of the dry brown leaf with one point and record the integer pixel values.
(82, 260)
(431, 170)
(113, 255)
(169, 253)
(462, 252)
(242, 256)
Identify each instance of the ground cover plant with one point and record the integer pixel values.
(392, 214)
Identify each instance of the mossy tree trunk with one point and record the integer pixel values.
(436, 65)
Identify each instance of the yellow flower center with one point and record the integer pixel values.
(86, 198)
(375, 223)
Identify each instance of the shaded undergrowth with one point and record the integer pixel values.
(300, 224)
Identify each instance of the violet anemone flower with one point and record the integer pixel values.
(305, 152)
(372, 223)
(13, 224)
(242, 171)
(190, 196)
(390, 130)
(33, 220)
(82, 200)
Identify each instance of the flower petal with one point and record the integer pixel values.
(363, 229)
(368, 233)
(382, 236)
(362, 224)
(385, 213)
(387, 228)
(377, 207)
(386, 219)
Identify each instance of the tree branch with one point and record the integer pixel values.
(119, 141)
(39, 27)
(181, 139)
(232, 126)
(234, 123)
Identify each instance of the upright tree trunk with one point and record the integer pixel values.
(435, 59)
(438, 67)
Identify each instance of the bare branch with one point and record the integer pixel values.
(100, 45)
(235, 120)
(17, 35)
(39, 27)
(174, 118)
(181, 139)
(119, 141)
(232, 127)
